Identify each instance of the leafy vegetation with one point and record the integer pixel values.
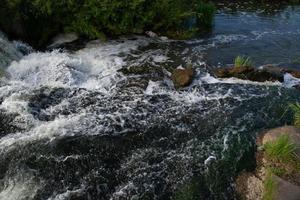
(41, 19)
(278, 171)
(282, 149)
(296, 110)
(241, 61)
(270, 187)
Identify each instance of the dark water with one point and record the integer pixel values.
(72, 126)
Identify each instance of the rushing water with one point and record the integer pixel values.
(72, 126)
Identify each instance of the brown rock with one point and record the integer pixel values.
(249, 73)
(182, 77)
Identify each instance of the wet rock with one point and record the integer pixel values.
(147, 72)
(182, 77)
(151, 34)
(70, 42)
(249, 73)
(63, 38)
(296, 87)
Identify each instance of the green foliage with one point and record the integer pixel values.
(296, 110)
(96, 19)
(270, 187)
(282, 149)
(278, 171)
(241, 61)
(205, 14)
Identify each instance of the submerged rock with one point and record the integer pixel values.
(63, 39)
(182, 77)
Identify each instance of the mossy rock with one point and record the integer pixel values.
(248, 73)
(182, 77)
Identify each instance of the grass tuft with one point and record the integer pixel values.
(241, 61)
(296, 110)
(282, 149)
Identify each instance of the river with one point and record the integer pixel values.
(73, 126)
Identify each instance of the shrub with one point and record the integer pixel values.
(241, 61)
(96, 19)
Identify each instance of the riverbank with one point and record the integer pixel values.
(277, 173)
(104, 120)
(36, 22)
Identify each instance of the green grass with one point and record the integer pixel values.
(241, 61)
(282, 149)
(270, 187)
(296, 110)
(278, 171)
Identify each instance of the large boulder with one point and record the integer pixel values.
(284, 175)
(182, 77)
(285, 190)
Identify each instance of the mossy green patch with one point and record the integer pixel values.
(270, 187)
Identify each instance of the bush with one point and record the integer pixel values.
(97, 19)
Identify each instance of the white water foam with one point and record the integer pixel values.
(23, 187)
(94, 67)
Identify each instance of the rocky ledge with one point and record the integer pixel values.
(277, 175)
(261, 74)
